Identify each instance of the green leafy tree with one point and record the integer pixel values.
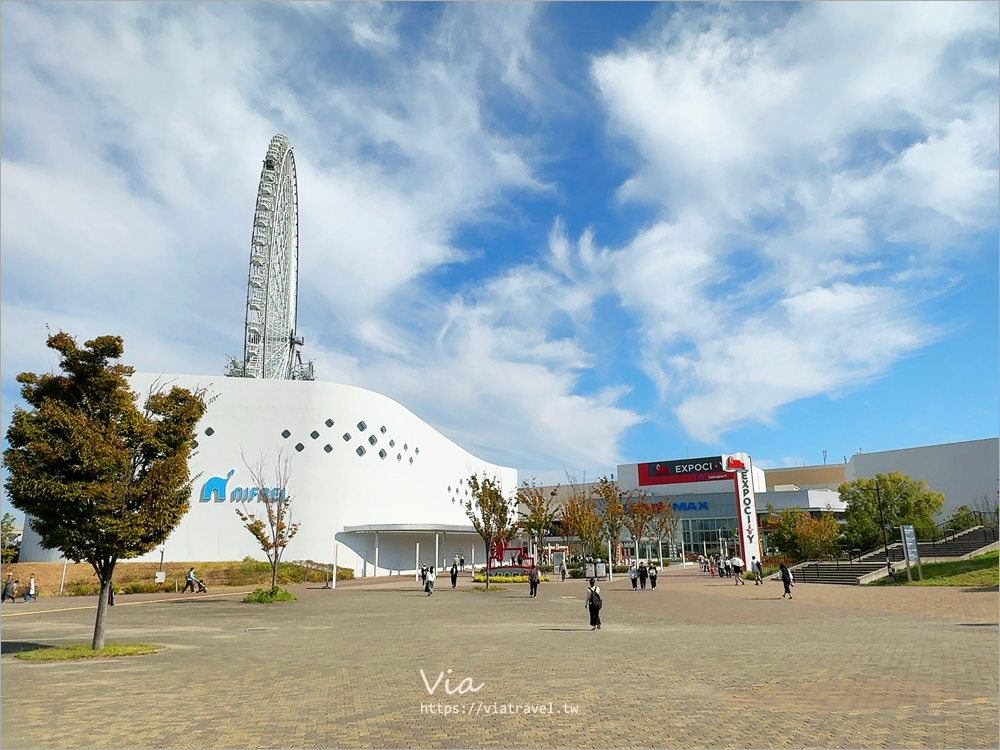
(963, 518)
(786, 537)
(538, 512)
(10, 549)
(493, 516)
(816, 537)
(613, 512)
(271, 525)
(904, 501)
(99, 478)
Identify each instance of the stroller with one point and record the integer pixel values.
(201, 586)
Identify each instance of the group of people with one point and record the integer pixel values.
(731, 567)
(11, 585)
(639, 575)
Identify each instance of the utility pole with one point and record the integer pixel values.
(885, 539)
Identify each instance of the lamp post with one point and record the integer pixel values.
(885, 539)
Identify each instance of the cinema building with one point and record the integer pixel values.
(369, 480)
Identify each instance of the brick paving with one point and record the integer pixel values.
(697, 663)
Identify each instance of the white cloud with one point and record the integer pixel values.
(132, 143)
(806, 168)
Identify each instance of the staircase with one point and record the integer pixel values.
(844, 573)
(957, 545)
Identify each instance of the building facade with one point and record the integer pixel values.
(968, 473)
(368, 481)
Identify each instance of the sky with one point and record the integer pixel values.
(566, 235)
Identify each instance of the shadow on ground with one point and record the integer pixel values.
(14, 647)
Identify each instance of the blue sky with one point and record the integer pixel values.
(567, 235)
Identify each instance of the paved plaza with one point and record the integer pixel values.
(696, 663)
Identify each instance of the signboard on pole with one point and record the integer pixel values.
(746, 504)
(911, 551)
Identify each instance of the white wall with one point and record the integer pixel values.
(963, 471)
(328, 490)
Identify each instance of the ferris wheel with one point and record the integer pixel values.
(271, 348)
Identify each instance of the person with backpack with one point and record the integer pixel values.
(652, 576)
(594, 604)
(534, 576)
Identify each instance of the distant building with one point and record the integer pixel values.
(968, 473)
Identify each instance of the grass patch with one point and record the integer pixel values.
(982, 571)
(491, 589)
(269, 596)
(82, 651)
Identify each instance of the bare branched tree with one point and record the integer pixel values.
(271, 525)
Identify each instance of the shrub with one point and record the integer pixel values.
(269, 596)
(491, 589)
(85, 589)
(575, 572)
(145, 588)
(480, 578)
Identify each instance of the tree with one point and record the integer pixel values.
(538, 514)
(638, 516)
(613, 512)
(963, 518)
(581, 515)
(664, 526)
(786, 536)
(816, 537)
(272, 528)
(10, 550)
(98, 478)
(492, 515)
(904, 501)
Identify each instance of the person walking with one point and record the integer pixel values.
(461, 563)
(8, 588)
(562, 571)
(633, 575)
(423, 577)
(643, 575)
(727, 567)
(29, 593)
(652, 577)
(758, 572)
(594, 604)
(454, 575)
(737, 565)
(430, 581)
(786, 580)
(534, 577)
(190, 581)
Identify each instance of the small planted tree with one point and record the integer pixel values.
(100, 478)
(613, 512)
(7, 534)
(585, 521)
(638, 516)
(271, 525)
(539, 512)
(664, 526)
(493, 516)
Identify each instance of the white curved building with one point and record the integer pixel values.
(366, 474)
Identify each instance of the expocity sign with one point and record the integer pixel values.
(215, 488)
(746, 504)
(708, 469)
